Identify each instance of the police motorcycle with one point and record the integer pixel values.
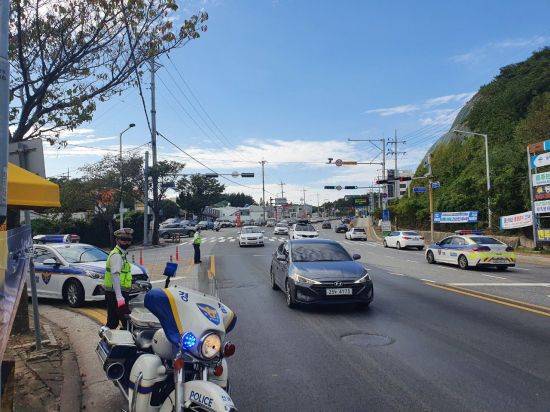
(173, 356)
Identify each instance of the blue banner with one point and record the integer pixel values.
(455, 217)
(386, 214)
(15, 248)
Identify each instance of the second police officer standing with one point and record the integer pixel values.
(197, 240)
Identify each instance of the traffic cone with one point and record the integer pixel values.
(177, 254)
(141, 257)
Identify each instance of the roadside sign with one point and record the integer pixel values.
(338, 187)
(539, 146)
(338, 162)
(436, 185)
(350, 163)
(419, 189)
(540, 160)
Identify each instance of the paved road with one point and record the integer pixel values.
(419, 346)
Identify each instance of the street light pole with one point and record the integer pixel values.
(121, 204)
(489, 213)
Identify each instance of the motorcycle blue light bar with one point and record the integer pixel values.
(189, 340)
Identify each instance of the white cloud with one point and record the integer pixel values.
(522, 43)
(460, 98)
(439, 117)
(466, 57)
(390, 111)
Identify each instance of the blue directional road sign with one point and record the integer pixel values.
(436, 185)
(419, 189)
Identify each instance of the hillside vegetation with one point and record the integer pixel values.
(514, 111)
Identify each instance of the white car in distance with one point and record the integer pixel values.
(280, 229)
(251, 236)
(302, 231)
(356, 233)
(404, 238)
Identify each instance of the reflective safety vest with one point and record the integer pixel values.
(125, 273)
(197, 239)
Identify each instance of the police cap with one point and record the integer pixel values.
(124, 233)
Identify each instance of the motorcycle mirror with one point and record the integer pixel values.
(169, 272)
(356, 256)
(144, 285)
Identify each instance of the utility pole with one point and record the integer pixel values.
(146, 199)
(305, 211)
(154, 150)
(282, 191)
(4, 107)
(383, 152)
(430, 195)
(395, 153)
(263, 162)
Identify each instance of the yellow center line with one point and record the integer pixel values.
(212, 270)
(191, 265)
(496, 299)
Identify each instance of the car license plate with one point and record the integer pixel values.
(339, 291)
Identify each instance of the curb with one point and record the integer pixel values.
(71, 395)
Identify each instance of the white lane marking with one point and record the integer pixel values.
(164, 280)
(520, 269)
(397, 274)
(184, 243)
(258, 255)
(221, 240)
(428, 280)
(231, 240)
(445, 267)
(492, 276)
(544, 285)
(413, 261)
(272, 240)
(372, 244)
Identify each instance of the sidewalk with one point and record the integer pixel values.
(46, 380)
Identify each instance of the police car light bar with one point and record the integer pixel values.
(469, 232)
(56, 238)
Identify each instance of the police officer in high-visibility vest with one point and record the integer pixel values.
(118, 280)
(197, 240)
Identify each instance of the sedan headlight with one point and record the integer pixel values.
(210, 346)
(303, 279)
(364, 279)
(94, 275)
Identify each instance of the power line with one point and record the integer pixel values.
(207, 167)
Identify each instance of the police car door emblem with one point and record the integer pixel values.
(209, 313)
(46, 276)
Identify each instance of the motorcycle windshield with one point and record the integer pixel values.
(159, 303)
(181, 310)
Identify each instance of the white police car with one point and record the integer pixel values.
(471, 248)
(71, 271)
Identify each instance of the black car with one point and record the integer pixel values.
(341, 228)
(319, 271)
(326, 225)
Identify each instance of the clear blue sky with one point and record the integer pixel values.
(291, 81)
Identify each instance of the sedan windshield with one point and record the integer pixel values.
(319, 252)
(250, 230)
(82, 254)
(305, 228)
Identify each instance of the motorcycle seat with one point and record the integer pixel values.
(144, 338)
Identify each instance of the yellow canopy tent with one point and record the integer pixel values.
(29, 191)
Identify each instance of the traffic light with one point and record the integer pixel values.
(381, 182)
(247, 174)
(405, 178)
(330, 187)
(350, 187)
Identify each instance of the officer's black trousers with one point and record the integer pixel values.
(197, 253)
(113, 317)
